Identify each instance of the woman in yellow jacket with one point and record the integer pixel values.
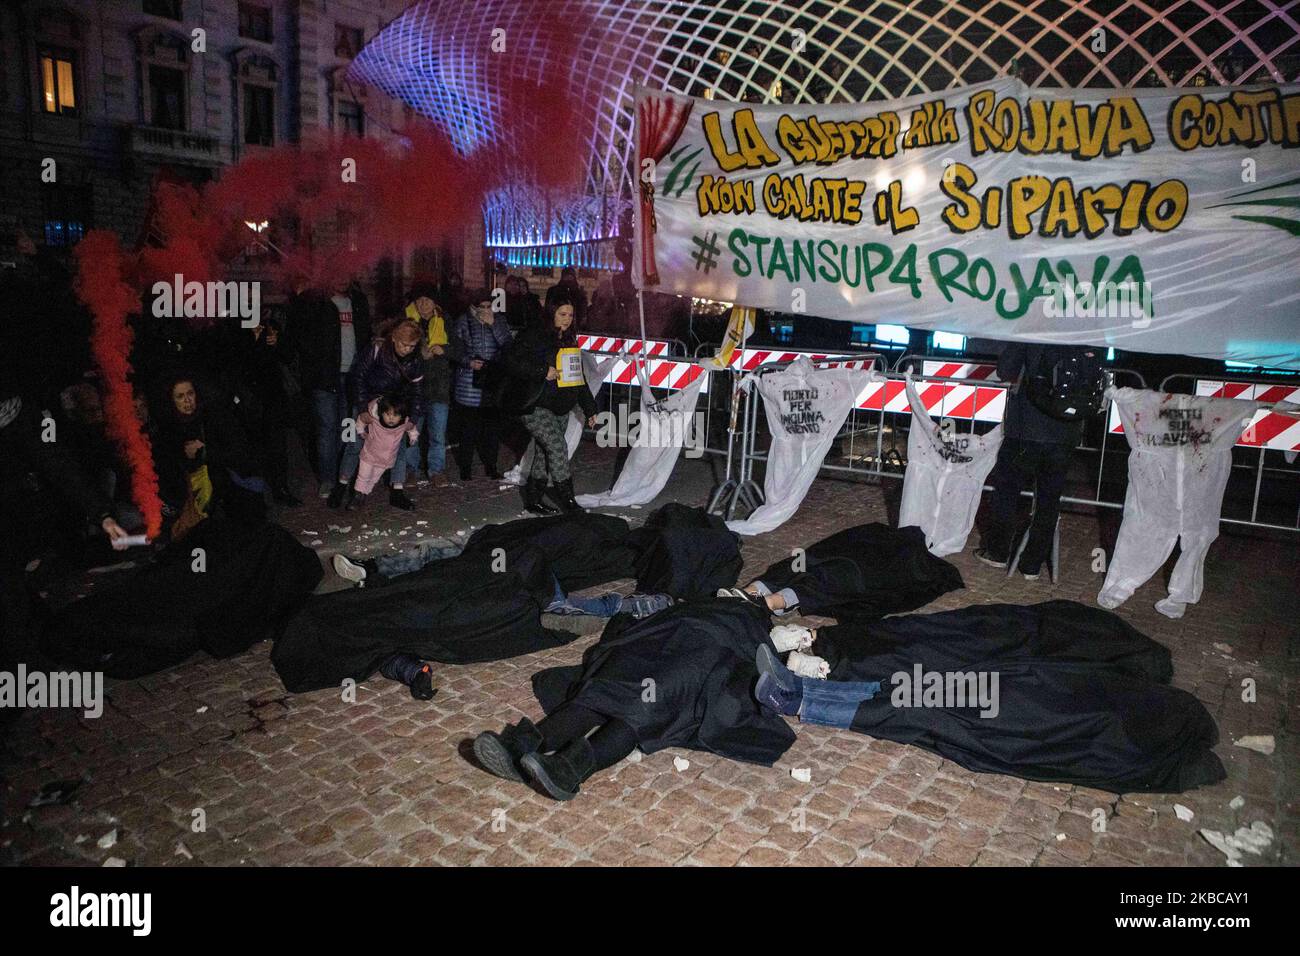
(438, 351)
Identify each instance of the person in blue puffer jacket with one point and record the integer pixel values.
(482, 335)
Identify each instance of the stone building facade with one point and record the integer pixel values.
(97, 97)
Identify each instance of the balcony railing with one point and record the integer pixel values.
(174, 142)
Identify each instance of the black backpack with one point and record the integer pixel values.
(1067, 383)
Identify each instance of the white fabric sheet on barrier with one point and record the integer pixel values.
(945, 477)
(1177, 472)
(805, 408)
(663, 430)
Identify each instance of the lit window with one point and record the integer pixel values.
(1110, 355)
(892, 334)
(949, 340)
(67, 211)
(58, 86)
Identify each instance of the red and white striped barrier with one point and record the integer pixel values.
(615, 343)
(750, 359)
(1266, 429)
(940, 369)
(672, 374)
(981, 403)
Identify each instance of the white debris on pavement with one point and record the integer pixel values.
(107, 840)
(1183, 812)
(681, 763)
(802, 774)
(1254, 840)
(1260, 743)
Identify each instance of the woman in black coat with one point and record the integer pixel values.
(394, 366)
(206, 455)
(534, 393)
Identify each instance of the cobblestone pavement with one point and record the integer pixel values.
(309, 779)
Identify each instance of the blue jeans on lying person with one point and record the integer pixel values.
(416, 557)
(607, 605)
(833, 703)
(602, 605)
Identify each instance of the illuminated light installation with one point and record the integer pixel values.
(811, 51)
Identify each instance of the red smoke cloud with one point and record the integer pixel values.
(386, 196)
(101, 286)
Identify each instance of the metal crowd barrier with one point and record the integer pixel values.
(1267, 454)
(877, 440)
(872, 443)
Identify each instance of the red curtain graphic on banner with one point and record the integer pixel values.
(659, 122)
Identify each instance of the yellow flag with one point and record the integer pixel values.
(739, 328)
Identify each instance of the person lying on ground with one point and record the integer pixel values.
(378, 571)
(861, 573)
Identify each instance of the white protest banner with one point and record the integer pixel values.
(1159, 220)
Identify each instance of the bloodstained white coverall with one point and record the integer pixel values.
(805, 408)
(1177, 472)
(945, 477)
(662, 432)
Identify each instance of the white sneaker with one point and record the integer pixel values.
(791, 637)
(808, 665)
(349, 570)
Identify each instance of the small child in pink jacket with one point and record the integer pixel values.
(383, 444)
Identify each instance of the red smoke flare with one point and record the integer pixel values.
(415, 192)
(101, 287)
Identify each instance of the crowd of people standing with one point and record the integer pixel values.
(223, 406)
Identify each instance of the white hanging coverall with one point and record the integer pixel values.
(594, 370)
(1181, 457)
(664, 429)
(805, 408)
(944, 478)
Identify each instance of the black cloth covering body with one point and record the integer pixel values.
(700, 657)
(253, 579)
(865, 572)
(583, 549)
(685, 552)
(457, 611)
(1083, 698)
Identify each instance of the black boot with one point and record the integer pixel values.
(398, 498)
(501, 753)
(414, 673)
(562, 494)
(561, 773)
(335, 500)
(533, 489)
(356, 500)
